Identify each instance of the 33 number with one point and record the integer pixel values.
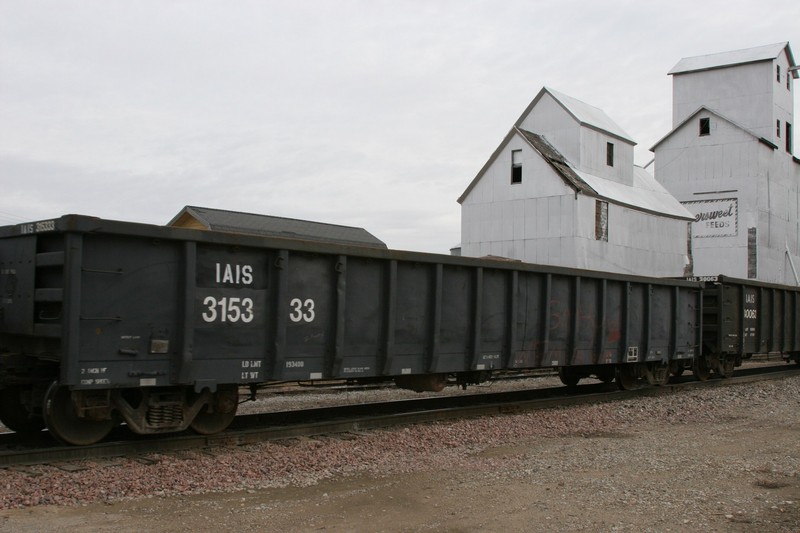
(302, 311)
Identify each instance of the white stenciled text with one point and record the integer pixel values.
(228, 309)
(234, 274)
(302, 310)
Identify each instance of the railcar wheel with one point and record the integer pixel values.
(65, 425)
(700, 368)
(568, 377)
(677, 371)
(223, 411)
(626, 377)
(658, 374)
(725, 366)
(16, 414)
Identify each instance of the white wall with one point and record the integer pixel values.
(580, 145)
(742, 93)
(593, 156)
(550, 119)
(784, 102)
(748, 94)
(730, 163)
(543, 221)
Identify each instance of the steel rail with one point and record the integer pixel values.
(256, 428)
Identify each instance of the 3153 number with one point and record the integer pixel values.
(228, 309)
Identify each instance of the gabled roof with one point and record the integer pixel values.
(587, 115)
(485, 167)
(646, 194)
(270, 226)
(557, 161)
(735, 57)
(718, 115)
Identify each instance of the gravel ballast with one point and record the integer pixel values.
(721, 458)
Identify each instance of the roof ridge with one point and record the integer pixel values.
(584, 113)
(729, 58)
(693, 114)
(271, 216)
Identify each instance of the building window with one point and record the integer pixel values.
(610, 154)
(516, 166)
(752, 253)
(601, 220)
(778, 128)
(788, 82)
(705, 126)
(778, 73)
(788, 137)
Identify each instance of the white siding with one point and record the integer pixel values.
(742, 93)
(748, 94)
(784, 102)
(593, 156)
(543, 220)
(731, 163)
(583, 146)
(554, 226)
(550, 119)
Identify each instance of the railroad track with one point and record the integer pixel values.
(254, 428)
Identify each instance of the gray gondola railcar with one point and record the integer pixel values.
(160, 326)
(742, 318)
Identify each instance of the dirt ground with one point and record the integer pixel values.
(738, 473)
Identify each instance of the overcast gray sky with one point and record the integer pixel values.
(366, 113)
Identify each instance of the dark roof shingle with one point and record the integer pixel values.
(272, 226)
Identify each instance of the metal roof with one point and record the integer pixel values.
(271, 226)
(556, 160)
(736, 57)
(582, 112)
(717, 115)
(585, 114)
(646, 194)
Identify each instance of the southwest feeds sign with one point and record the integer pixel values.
(714, 218)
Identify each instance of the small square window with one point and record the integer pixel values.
(788, 137)
(778, 73)
(705, 126)
(778, 128)
(610, 154)
(516, 166)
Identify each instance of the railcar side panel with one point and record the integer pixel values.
(144, 306)
(17, 285)
(745, 317)
(364, 319)
(126, 313)
(585, 324)
(457, 320)
(530, 317)
(230, 313)
(311, 306)
(613, 341)
(411, 317)
(495, 320)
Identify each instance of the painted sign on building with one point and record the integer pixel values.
(714, 218)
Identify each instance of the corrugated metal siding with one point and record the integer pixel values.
(738, 165)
